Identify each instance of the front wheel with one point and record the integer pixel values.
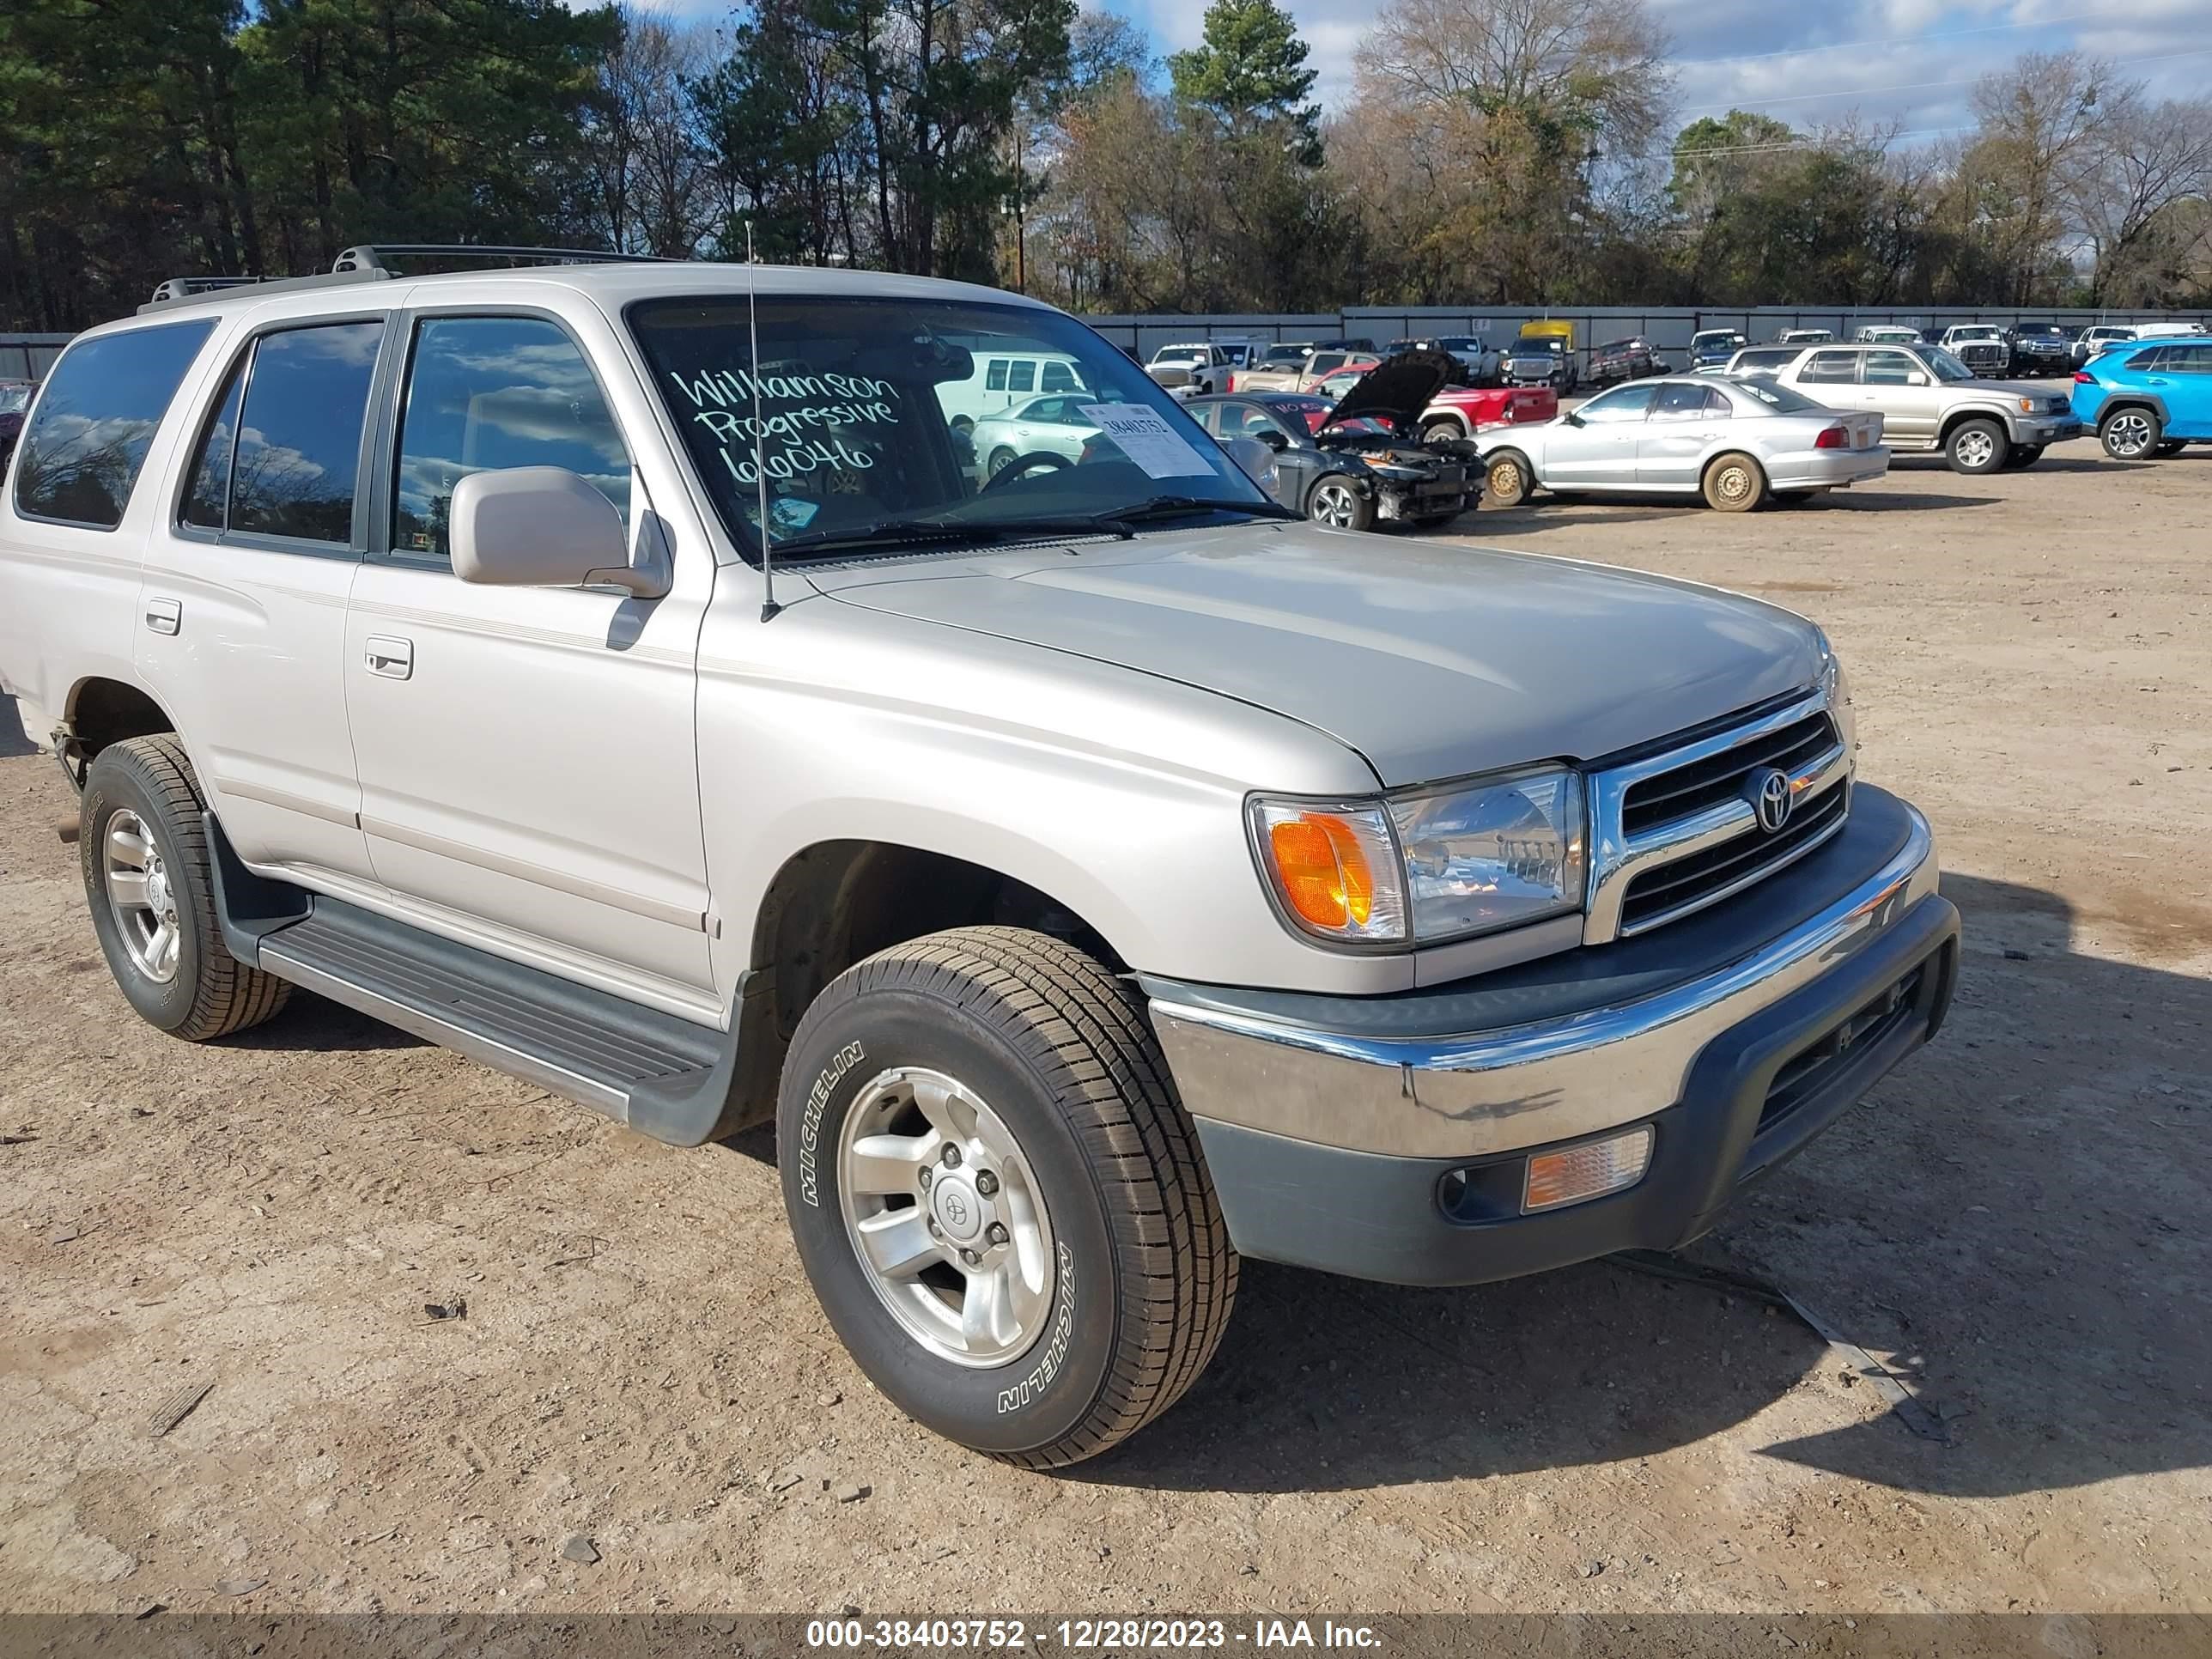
(1976, 447)
(998, 1197)
(1735, 484)
(1334, 502)
(1442, 430)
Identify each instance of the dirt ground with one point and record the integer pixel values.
(2017, 1219)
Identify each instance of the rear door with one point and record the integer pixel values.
(242, 615)
(1597, 447)
(529, 772)
(1685, 423)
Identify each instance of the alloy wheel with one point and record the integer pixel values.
(1333, 505)
(945, 1218)
(1975, 448)
(2127, 434)
(141, 894)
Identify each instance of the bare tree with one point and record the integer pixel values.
(2154, 160)
(647, 163)
(2041, 123)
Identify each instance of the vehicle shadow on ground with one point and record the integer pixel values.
(313, 1025)
(2089, 462)
(1872, 498)
(2015, 1221)
(12, 743)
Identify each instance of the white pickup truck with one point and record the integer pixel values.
(611, 672)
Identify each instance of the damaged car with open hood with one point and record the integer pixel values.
(1375, 427)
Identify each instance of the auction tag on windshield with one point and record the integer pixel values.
(1146, 439)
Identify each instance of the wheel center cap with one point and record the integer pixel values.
(157, 893)
(958, 1209)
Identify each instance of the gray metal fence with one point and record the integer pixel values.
(1666, 327)
(28, 357)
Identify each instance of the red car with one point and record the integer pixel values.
(1461, 411)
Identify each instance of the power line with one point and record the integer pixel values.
(1899, 40)
(1914, 86)
(1779, 147)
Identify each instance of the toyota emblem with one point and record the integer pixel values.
(1771, 798)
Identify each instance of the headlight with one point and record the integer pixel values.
(1428, 867)
(1491, 856)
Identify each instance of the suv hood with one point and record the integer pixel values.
(1430, 661)
(1396, 391)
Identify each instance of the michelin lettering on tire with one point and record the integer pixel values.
(818, 1098)
(1040, 1377)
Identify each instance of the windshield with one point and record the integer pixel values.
(1947, 367)
(1975, 334)
(886, 420)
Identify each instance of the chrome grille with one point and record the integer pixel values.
(1689, 883)
(1692, 787)
(1676, 831)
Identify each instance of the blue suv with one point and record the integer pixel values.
(2147, 399)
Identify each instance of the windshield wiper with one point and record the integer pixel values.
(1180, 507)
(925, 532)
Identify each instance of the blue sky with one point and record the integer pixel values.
(1807, 61)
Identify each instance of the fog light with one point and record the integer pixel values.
(1588, 1172)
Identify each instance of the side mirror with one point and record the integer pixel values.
(541, 526)
(1274, 440)
(1572, 417)
(1254, 458)
(1916, 378)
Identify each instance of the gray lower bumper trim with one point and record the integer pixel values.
(1524, 1085)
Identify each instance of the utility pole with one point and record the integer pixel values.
(1021, 230)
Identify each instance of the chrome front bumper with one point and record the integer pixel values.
(1323, 1081)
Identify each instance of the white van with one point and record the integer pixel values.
(1003, 378)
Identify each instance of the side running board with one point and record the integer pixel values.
(663, 1076)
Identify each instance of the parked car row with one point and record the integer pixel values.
(1781, 423)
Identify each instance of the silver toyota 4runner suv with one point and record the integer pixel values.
(1096, 877)
(1931, 402)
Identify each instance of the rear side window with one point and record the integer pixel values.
(1832, 366)
(81, 453)
(280, 455)
(1021, 376)
(2188, 360)
(995, 378)
(486, 393)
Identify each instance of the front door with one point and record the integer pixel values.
(1595, 448)
(528, 767)
(241, 625)
(1686, 420)
(1905, 392)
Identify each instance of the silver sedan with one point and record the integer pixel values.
(1736, 443)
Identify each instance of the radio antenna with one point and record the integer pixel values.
(769, 606)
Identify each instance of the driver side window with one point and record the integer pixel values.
(1629, 402)
(486, 393)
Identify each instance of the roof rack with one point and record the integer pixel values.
(372, 255)
(367, 262)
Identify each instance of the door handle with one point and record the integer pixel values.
(164, 615)
(390, 656)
